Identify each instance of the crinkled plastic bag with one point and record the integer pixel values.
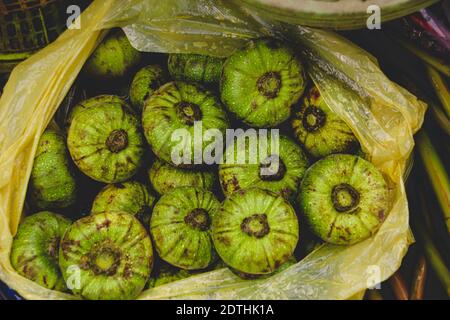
(383, 115)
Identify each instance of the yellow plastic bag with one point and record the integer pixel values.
(383, 115)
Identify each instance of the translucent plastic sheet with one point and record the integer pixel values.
(383, 116)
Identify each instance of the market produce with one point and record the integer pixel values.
(112, 253)
(180, 227)
(113, 59)
(144, 83)
(290, 164)
(93, 101)
(131, 197)
(173, 109)
(255, 231)
(195, 67)
(106, 143)
(52, 181)
(344, 198)
(261, 83)
(165, 177)
(34, 252)
(320, 131)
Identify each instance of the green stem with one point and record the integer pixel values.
(433, 256)
(441, 88)
(436, 172)
(420, 275)
(440, 117)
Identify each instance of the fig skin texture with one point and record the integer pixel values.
(88, 103)
(34, 252)
(177, 105)
(255, 231)
(285, 181)
(105, 142)
(113, 59)
(113, 254)
(52, 182)
(344, 198)
(262, 82)
(195, 67)
(180, 227)
(144, 83)
(131, 197)
(319, 130)
(165, 177)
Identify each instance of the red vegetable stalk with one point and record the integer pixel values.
(418, 286)
(398, 286)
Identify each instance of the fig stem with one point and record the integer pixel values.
(188, 112)
(269, 84)
(117, 140)
(275, 176)
(256, 225)
(104, 260)
(344, 197)
(313, 119)
(198, 219)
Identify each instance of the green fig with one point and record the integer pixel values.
(86, 104)
(344, 198)
(291, 166)
(195, 67)
(131, 197)
(261, 83)
(165, 177)
(255, 231)
(106, 256)
(180, 227)
(144, 83)
(106, 143)
(34, 252)
(320, 131)
(113, 59)
(52, 182)
(174, 109)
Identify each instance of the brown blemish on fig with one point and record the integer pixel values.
(104, 224)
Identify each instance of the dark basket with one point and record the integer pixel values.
(27, 26)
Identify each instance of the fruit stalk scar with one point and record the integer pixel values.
(256, 225)
(344, 197)
(104, 260)
(198, 219)
(117, 141)
(275, 176)
(269, 84)
(314, 119)
(189, 112)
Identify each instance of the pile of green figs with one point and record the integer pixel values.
(151, 220)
